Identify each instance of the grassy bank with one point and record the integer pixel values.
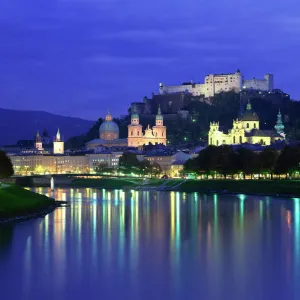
(18, 202)
(268, 187)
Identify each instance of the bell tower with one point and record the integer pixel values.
(38, 142)
(135, 130)
(159, 130)
(58, 144)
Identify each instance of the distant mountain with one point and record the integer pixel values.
(22, 125)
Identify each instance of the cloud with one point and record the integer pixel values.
(106, 59)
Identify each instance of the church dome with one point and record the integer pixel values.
(249, 115)
(109, 130)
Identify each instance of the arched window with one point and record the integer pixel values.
(247, 125)
(261, 141)
(210, 141)
(156, 134)
(162, 134)
(241, 140)
(131, 132)
(234, 139)
(138, 133)
(217, 143)
(254, 126)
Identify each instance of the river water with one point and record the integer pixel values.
(154, 245)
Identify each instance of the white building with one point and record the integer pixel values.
(265, 84)
(217, 83)
(26, 164)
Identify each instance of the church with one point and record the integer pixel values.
(246, 130)
(155, 135)
(108, 135)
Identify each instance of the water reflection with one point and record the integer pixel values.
(155, 245)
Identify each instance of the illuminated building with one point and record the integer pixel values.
(58, 144)
(217, 83)
(244, 130)
(155, 135)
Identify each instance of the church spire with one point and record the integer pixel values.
(58, 136)
(279, 127)
(249, 106)
(159, 117)
(108, 117)
(135, 119)
(38, 138)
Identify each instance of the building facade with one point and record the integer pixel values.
(63, 164)
(155, 135)
(244, 130)
(217, 83)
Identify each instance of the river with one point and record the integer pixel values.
(154, 245)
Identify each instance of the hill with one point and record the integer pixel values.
(21, 125)
(223, 108)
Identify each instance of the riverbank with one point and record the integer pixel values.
(290, 188)
(18, 204)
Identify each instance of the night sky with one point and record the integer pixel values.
(80, 57)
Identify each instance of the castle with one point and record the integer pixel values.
(217, 83)
(246, 130)
(155, 135)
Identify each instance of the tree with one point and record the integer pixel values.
(288, 161)
(226, 163)
(267, 159)
(155, 169)
(246, 161)
(99, 168)
(6, 167)
(129, 163)
(145, 167)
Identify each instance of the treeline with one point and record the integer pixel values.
(225, 160)
(129, 164)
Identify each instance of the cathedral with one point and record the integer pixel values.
(155, 135)
(246, 130)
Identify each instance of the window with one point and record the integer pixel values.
(254, 126)
(247, 125)
(211, 141)
(241, 140)
(138, 133)
(234, 139)
(162, 134)
(217, 143)
(131, 132)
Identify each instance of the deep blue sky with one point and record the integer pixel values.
(80, 57)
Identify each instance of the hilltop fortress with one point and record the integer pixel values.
(217, 83)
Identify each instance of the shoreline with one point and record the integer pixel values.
(37, 215)
(18, 204)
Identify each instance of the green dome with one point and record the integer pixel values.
(159, 115)
(109, 127)
(134, 116)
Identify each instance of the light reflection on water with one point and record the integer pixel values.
(154, 245)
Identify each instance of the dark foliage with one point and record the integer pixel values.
(6, 167)
(224, 160)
